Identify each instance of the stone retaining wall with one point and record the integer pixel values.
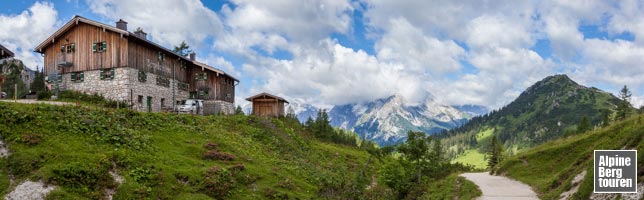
(125, 86)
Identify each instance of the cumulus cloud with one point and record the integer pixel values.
(22, 32)
(420, 46)
(168, 22)
(419, 53)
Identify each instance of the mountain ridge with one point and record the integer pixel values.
(549, 109)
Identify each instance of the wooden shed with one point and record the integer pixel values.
(265, 104)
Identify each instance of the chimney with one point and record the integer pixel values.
(192, 56)
(121, 25)
(139, 33)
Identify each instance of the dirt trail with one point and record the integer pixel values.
(500, 187)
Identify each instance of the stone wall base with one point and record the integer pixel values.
(218, 107)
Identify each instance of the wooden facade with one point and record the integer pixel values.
(5, 53)
(267, 105)
(78, 47)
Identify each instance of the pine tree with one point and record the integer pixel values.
(183, 49)
(605, 118)
(624, 105)
(38, 85)
(495, 149)
(584, 125)
(308, 125)
(290, 114)
(239, 110)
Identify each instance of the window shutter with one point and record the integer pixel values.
(62, 48)
(104, 46)
(94, 47)
(82, 76)
(111, 73)
(60, 78)
(73, 45)
(102, 74)
(73, 76)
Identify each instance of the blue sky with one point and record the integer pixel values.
(329, 52)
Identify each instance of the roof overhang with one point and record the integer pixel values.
(73, 22)
(5, 53)
(264, 95)
(212, 69)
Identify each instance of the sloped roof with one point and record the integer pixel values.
(5, 53)
(78, 19)
(213, 69)
(264, 95)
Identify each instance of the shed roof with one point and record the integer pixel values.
(264, 95)
(5, 53)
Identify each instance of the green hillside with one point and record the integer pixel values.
(550, 109)
(550, 167)
(169, 156)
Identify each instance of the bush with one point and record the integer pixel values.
(31, 138)
(94, 99)
(216, 155)
(86, 176)
(24, 162)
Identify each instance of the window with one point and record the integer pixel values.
(143, 77)
(163, 81)
(183, 86)
(107, 74)
(78, 76)
(140, 100)
(99, 47)
(161, 56)
(201, 76)
(162, 103)
(203, 93)
(68, 48)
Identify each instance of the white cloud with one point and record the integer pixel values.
(168, 22)
(407, 45)
(629, 19)
(22, 32)
(416, 45)
(301, 21)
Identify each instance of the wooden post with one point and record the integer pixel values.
(15, 92)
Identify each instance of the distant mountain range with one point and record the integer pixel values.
(386, 121)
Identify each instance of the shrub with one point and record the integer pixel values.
(82, 175)
(218, 182)
(216, 155)
(272, 194)
(31, 138)
(211, 145)
(24, 162)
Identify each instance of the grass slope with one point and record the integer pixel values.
(472, 157)
(548, 110)
(550, 167)
(167, 156)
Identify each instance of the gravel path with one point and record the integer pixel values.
(500, 187)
